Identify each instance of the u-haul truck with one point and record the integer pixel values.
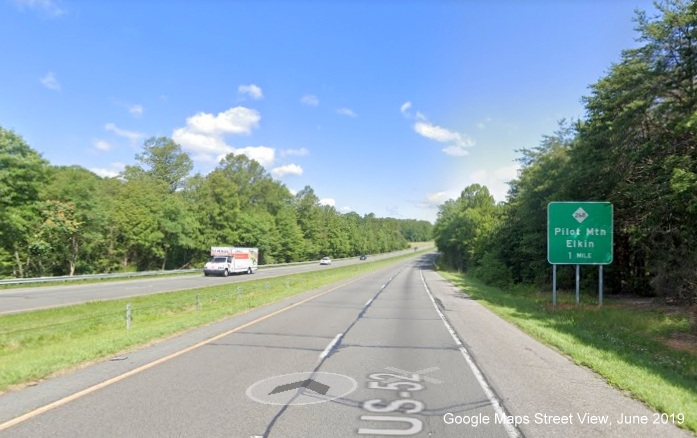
(226, 260)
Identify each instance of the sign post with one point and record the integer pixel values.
(579, 233)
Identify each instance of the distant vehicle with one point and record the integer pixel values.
(228, 260)
(363, 257)
(325, 261)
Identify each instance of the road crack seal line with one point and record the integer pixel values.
(512, 431)
(334, 345)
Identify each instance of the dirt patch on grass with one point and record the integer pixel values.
(678, 340)
(682, 341)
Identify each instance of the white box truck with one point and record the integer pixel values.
(226, 260)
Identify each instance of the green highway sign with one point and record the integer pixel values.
(579, 233)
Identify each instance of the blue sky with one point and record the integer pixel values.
(389, 107)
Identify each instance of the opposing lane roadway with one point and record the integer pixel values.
(26, 299)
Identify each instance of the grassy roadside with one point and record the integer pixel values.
(35, 345)
(624, 343)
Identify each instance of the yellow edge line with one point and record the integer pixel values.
(104, 384)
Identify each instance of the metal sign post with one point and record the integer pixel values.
(554, 286)
(578, 284)
(600, 285)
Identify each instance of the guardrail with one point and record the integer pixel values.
(123, 274)
(149, 273)
(95, 276)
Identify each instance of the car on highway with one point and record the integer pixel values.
(363, 257)
(325, 261)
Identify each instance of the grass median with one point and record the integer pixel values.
(629, 344)
(36, 345)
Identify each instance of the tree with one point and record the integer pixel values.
(22, 170)
(22, 173)
(58, 237)
(256, 189)
(163, 160)
(309, 218)
(463, 225)
(291, 243)
(76, 191)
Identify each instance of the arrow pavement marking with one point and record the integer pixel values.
(310, 384)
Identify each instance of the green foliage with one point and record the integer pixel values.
(164, 161)
(22, 170)
(636, 148)
(59, 220)
(465, 225)
(493, 271)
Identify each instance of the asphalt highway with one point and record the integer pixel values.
(26, 299)
(396, 352)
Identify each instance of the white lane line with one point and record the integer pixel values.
(331, 346)
(495, 403)
(367, 303)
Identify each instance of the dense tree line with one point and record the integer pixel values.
(57, 220)
(636, 147)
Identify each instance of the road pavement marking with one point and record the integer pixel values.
(418, 373)
(108, 382)
(298, 389)
(331, 346)
(510, 429)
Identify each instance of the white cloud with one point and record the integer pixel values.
(130, 135)
(484, 123)
(455, 151)
(109, 172)
(49, 81)
(496, 181)
(288, 169)
(238, 120)
(327, 201)
(251, 90)
(437, 133)
(405, 108)
(48, 7)
(346, 112)
(263, 154)
(203, 144)
(435, 199)
(301, 151)
(204, 136)
(346, 209)
(136, 110)
(292, 192)
(309, 99)
(458, 142)
(102, 145)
